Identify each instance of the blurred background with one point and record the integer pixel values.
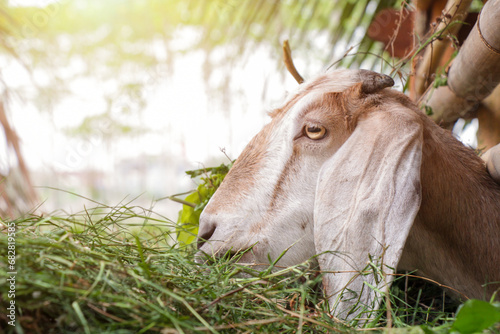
(114, 100)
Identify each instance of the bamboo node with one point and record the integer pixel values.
(485, 42)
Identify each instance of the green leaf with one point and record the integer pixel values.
(428, 111)
(475, 316)
(189, 220)
(425, 329)
(221, 170)
(189, 216)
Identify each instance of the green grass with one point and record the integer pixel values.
(119, 270)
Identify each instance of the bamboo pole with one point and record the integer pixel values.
(488, 115)
(475, 72)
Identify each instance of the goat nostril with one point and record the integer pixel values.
(204, 236)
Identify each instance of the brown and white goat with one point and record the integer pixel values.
(348, 168)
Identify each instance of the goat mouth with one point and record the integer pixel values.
(240, 256)
(204, 237)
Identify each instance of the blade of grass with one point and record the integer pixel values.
(80, 315)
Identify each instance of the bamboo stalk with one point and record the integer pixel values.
(473, 74)
(488, 115)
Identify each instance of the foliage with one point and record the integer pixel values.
(474, 316)
(428, 110)
(117, 270)
(92, 273)
(195, 202)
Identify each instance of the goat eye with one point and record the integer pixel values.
(315, 132)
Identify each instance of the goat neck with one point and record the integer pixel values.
(456, 236)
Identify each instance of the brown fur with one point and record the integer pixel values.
(240, 178)
(456, 236)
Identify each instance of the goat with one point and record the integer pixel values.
(349, 168)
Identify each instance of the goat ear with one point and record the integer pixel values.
(367, 197)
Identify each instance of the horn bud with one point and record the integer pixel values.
(373, 82)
